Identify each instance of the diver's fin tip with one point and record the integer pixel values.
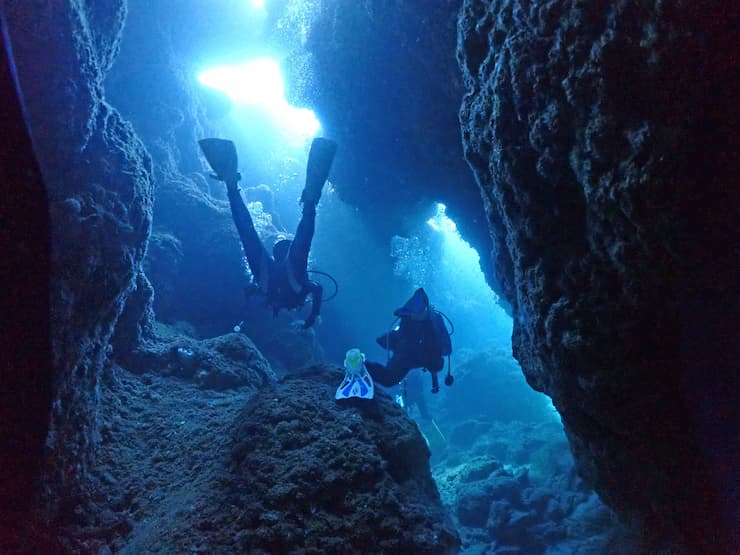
(320, 159)
(221, 156)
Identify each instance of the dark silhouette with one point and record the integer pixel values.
(282, 277)
(420, 341)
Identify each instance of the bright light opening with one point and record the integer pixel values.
(440, 222)
(258, 4)
(449, 269)
(259, 83)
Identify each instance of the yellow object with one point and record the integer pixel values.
(353, 360)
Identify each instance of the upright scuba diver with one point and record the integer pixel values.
(420, 341)
(282, 277)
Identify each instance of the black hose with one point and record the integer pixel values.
(452, 326)
(334, 281)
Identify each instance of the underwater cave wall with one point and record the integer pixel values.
(194, 244)
(98, 183)
(597, 132)
(386, 86)
(25, 353)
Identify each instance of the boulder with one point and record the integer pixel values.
(315, 474)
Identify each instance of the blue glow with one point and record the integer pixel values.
(442, 262)
(441, 222)
(259, 83)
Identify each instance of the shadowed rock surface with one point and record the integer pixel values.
(26, 371)
(182, 468)
(596, 134)
(98, 183)
(319, 476)
(392, 171)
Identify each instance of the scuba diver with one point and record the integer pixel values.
(282, 277)
(421, 340)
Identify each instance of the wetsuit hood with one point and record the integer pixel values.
(281, 248)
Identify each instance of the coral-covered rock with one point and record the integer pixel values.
(285, 468)
(222, 362)
(315, 474)
(479, 469)
(516, 487)
(197, 258)
(596, 132)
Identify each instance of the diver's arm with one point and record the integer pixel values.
(317, 293)
(389, 340)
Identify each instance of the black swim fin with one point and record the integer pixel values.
(221, 155)
(320, 158)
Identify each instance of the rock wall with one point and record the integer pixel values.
(26, 374)
(195, 260)
(597, 133)
(386, 86)
(98, 182)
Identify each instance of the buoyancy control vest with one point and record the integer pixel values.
(284, 289)
(441, 334)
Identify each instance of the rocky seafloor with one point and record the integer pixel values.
(191, 460)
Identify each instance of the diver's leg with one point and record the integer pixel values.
(387, 376)
(257, 256)
(320, 158)
(301, 245)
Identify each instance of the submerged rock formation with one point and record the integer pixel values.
(385, 82)
(597, 140)
(26, 373)
(317, 475)
(99, 187)
(98, 183)
(596, 132)
(282, 469)
(222, 362)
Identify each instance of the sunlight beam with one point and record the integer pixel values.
(259, 83)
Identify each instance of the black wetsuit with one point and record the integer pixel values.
(285, 282)
(414, 345)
